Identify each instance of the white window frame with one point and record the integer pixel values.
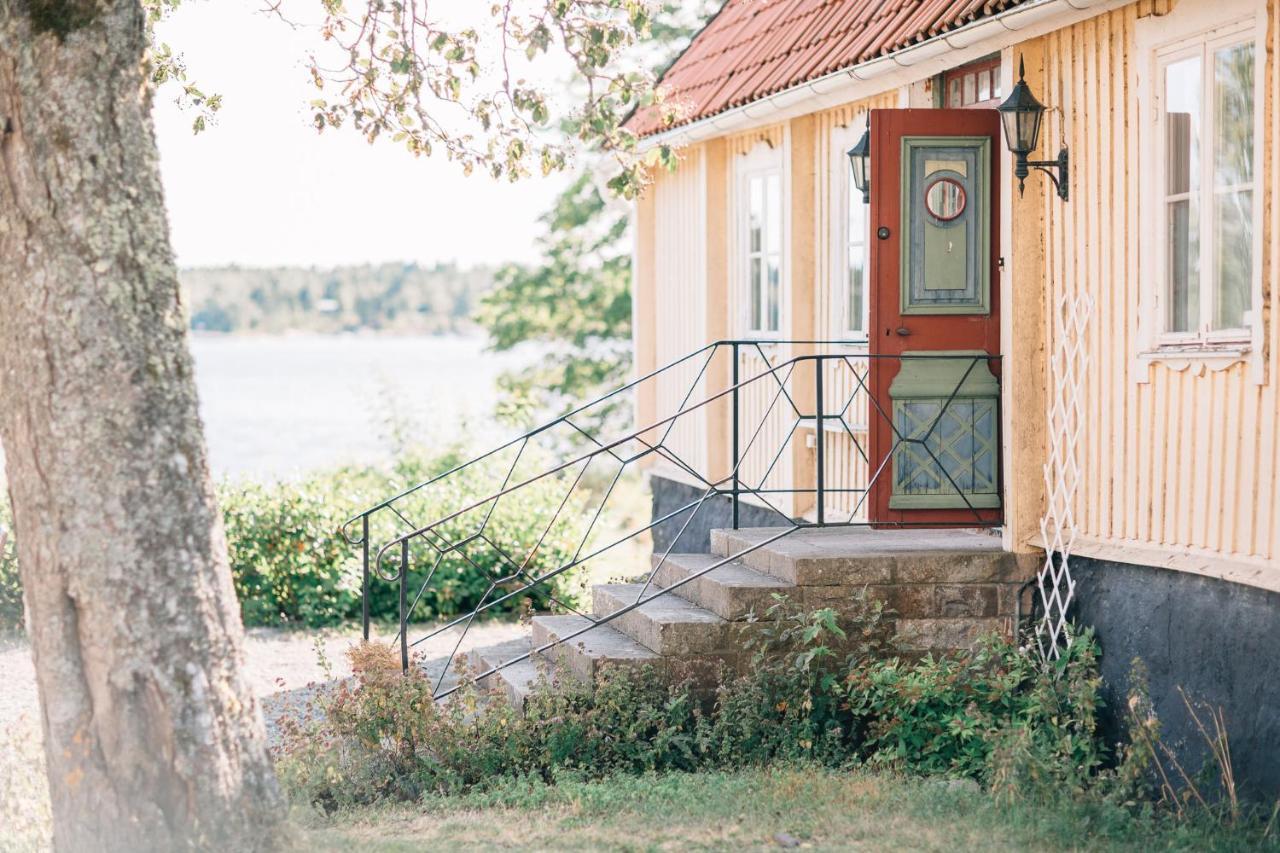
(842, 194)
(762, 162)
(1195, 29)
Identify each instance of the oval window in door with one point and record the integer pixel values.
(945, 199)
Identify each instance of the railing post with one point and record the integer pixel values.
(820, 439)
(364, 578)
(404, 600)
(737, 485)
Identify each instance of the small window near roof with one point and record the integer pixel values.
(974, 85)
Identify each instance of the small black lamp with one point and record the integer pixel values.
(1022, 114)
(860, 162)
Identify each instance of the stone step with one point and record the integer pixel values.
(666, 624)
(516, 681)
(858, 556)
(944, 636)
(586, 654)
(732, 591)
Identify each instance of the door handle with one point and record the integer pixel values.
(903, 331)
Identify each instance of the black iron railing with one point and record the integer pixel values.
(807, 439)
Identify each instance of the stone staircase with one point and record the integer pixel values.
(947, 588)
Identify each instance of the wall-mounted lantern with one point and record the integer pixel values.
(860, 162)
(1021, 114)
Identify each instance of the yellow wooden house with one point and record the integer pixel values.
(1099, 332)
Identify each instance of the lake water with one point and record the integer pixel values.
(274, 407)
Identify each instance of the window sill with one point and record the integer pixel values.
(1196, 357)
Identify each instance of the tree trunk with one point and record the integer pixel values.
(153, 738)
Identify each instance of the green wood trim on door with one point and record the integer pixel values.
(945, 407)
(955, 279)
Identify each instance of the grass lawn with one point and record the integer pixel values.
(757, 809)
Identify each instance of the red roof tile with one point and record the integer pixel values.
(751, 49)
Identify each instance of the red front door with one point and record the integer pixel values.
(935, 420)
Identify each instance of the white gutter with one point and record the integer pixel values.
(908, 65)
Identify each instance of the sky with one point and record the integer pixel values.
(261, 187)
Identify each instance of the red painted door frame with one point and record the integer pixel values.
(926, 332)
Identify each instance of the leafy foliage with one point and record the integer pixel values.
(291, 566)
(956, 715)
(470, 91)
(576, 304)
(820, 688)
(11, 616)
(168, 67)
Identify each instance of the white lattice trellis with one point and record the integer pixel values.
(1062, 470)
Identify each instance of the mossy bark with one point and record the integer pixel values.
(152, 734)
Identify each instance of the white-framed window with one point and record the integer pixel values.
(850, 263)
(1203, 233)
(761, 269)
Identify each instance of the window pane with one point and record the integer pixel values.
(755, 287)
(1233, 115)
(756, 214)
(953, 94)
(1182, 96)
(969, 86)
(1233, 242)
(1184, 266)
(857, 223)
(855, 284)
(984, 85)
(775, 292)
(1182, 121)
(773, 212)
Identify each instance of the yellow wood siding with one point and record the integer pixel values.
(680, 288)
(845, 451)
(1184, 458)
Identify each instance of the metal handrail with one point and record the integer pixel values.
(729, 485)
(523, 440)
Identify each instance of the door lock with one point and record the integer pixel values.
(883, 232)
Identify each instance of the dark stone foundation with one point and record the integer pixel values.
(715, 513)
(1217, 640)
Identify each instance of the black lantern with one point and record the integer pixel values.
(860, 162)
(1022, 114)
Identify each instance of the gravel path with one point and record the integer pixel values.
(284, 667)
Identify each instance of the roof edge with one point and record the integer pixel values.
(906, 65)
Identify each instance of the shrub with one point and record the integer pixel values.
(950, 715)
(291, 565)
(820, 688)
(287, 560)
(10, 583)
(790, 703)
(381, 736)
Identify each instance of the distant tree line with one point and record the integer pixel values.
(393, 297)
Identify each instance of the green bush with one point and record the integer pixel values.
(820, 688)
(10, 583)
(950, 715)
(291, 565)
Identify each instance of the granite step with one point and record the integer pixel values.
(858, 556)
(586, 654)
(516, 681)
(665, 623)
(942, 636)
(732, 591)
